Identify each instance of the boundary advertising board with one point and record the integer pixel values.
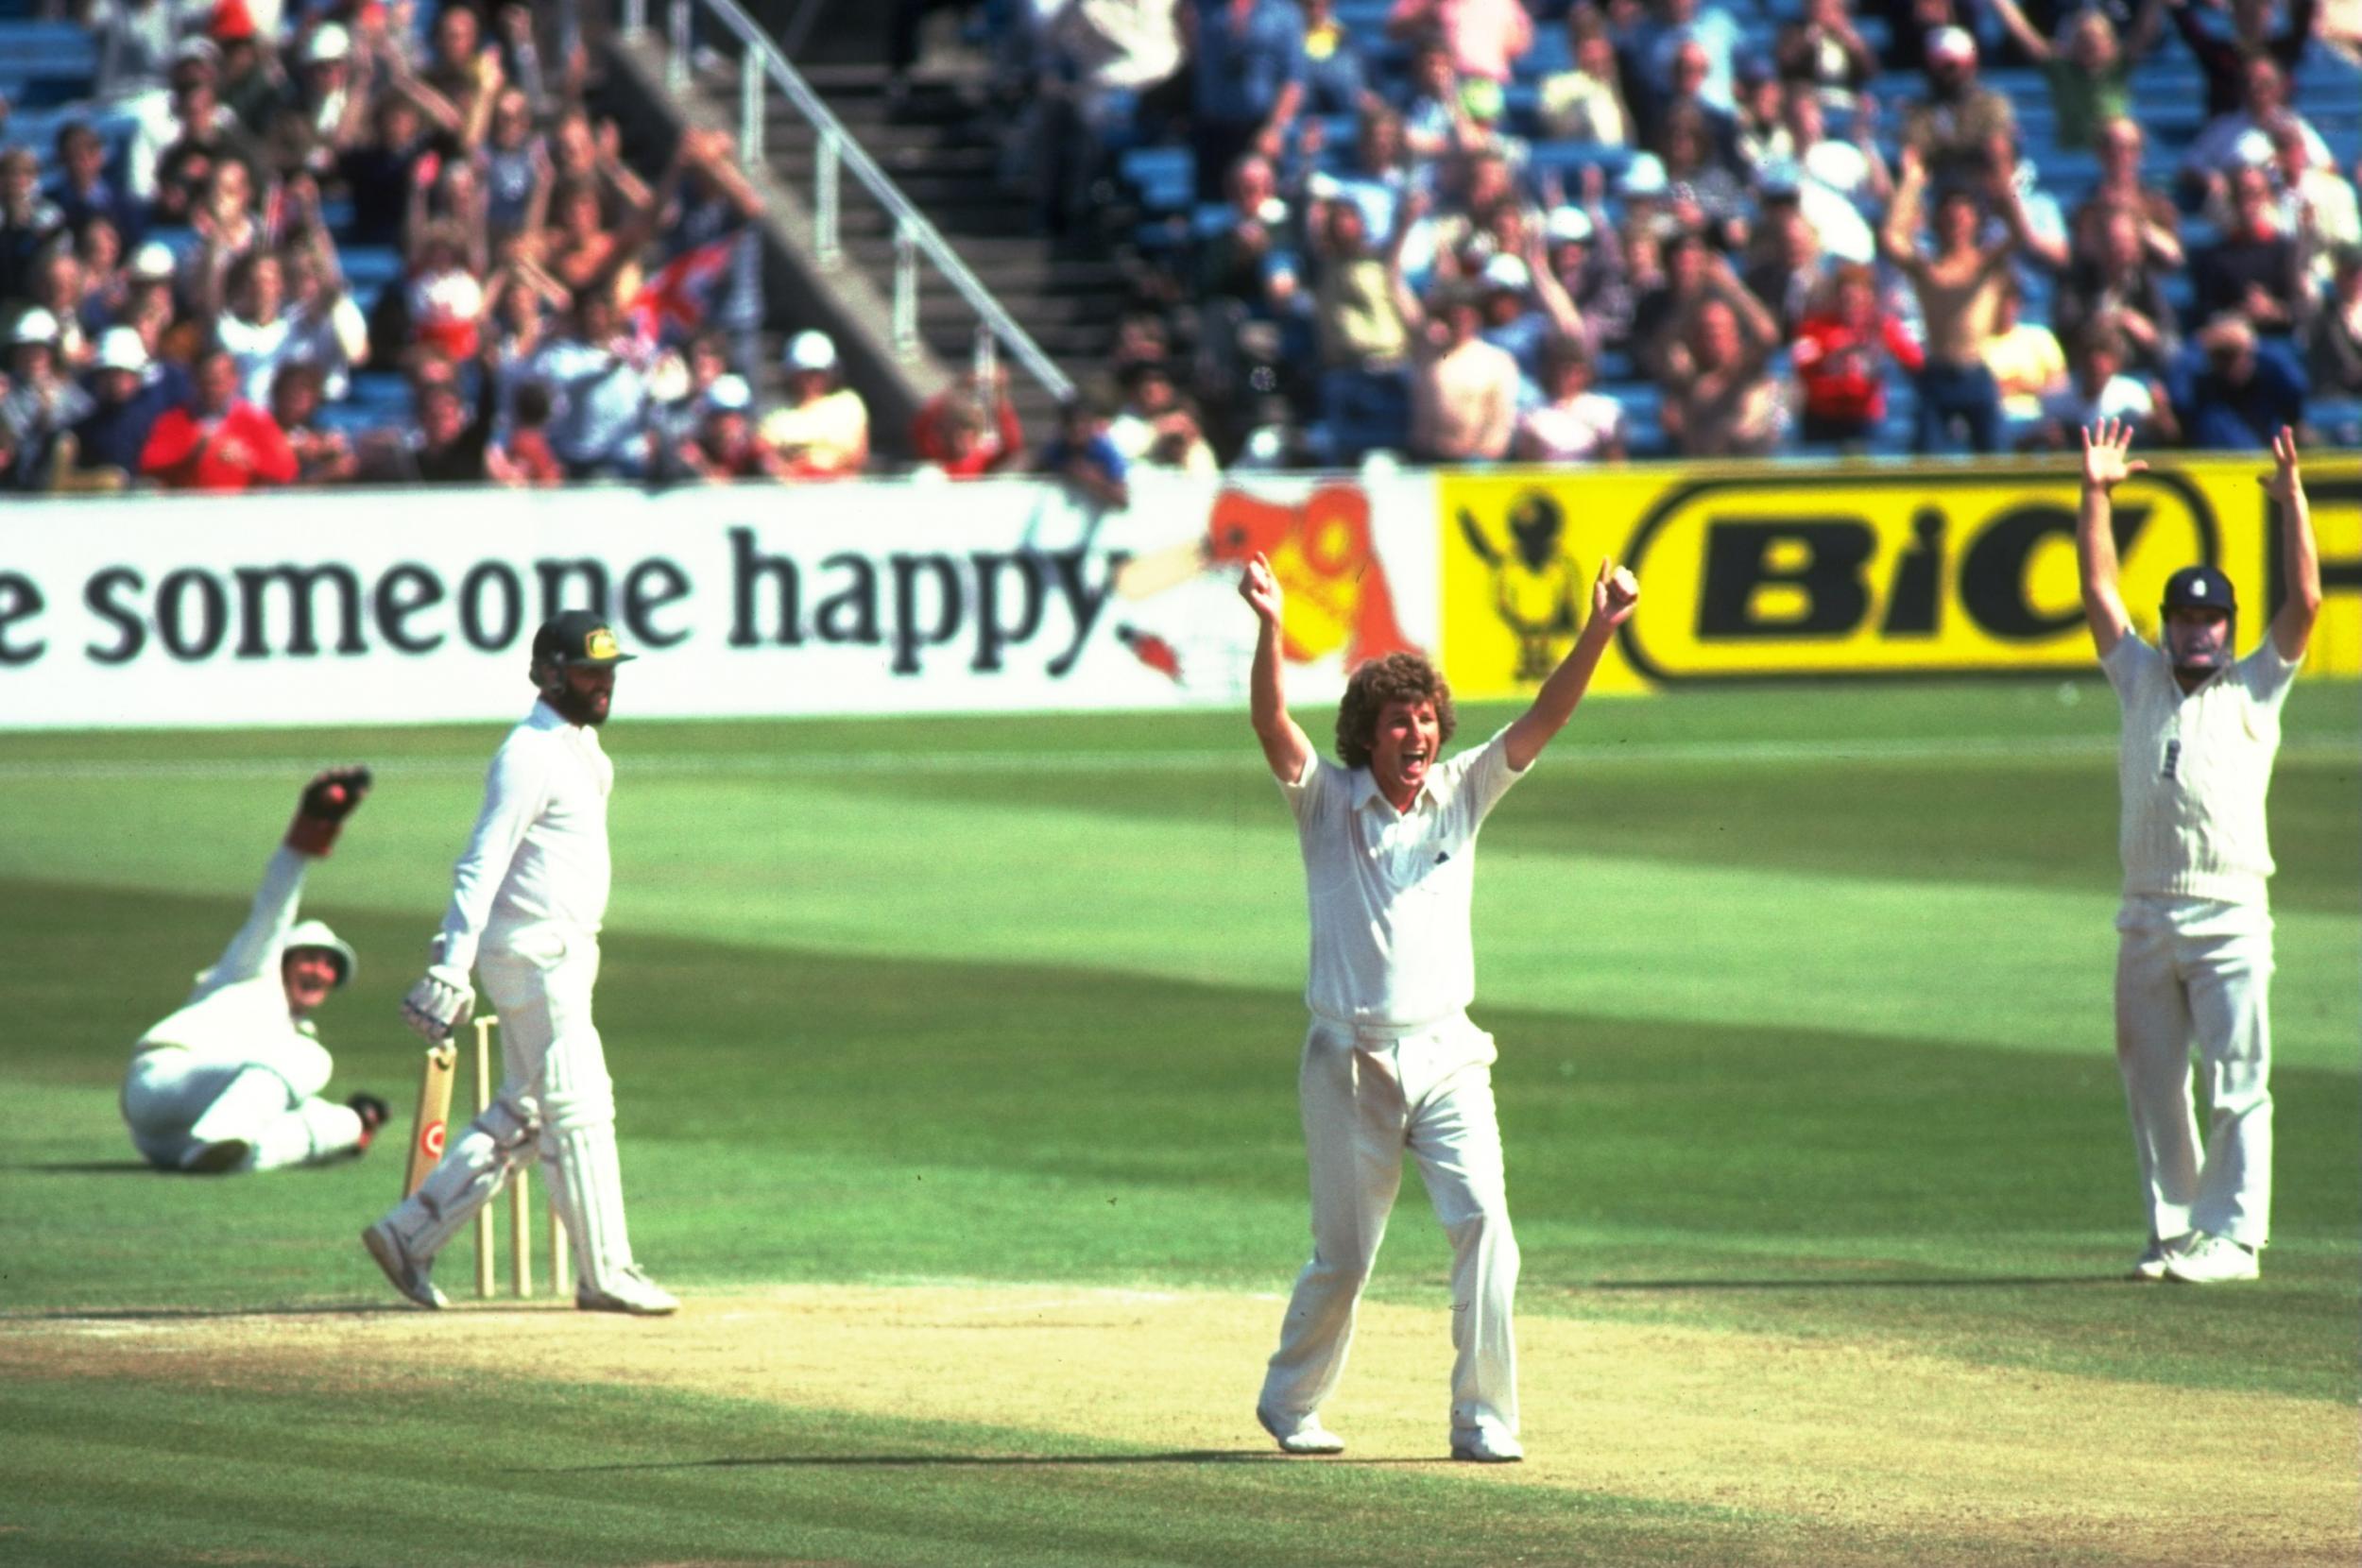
(880, 597)
(1768, 572)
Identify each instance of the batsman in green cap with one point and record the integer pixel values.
(527, 899)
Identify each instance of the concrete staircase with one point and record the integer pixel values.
(946, 161)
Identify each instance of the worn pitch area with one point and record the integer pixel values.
(1864, 1440)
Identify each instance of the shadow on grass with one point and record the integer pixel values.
(2005, 1281)
(1021, 1461)
(94, 1168)
(466, 1306)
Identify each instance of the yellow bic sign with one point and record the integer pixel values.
(1784, 571)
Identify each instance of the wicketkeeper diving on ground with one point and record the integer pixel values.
(232, 1080)
(528, 895)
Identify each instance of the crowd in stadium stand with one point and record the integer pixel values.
(344, 242)
(284, 242)
(1757, 226)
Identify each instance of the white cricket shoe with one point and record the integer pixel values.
(1487, 1445)
(2214, 1260)
(2151, 1265)
(409, 1275)
(215, 1158)
(628, 1289)
(1300, 1434)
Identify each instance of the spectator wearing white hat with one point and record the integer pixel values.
(333, 109)
(1962, 130)
(125, 398)
(726, 446)
(39, 404)
(822, 432)
(1523, 307)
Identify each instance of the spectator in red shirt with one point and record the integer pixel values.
(1844, 349)
(220, 441)
(949, 430)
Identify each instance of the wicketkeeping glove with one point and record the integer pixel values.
(439, 1003)
(327, 801)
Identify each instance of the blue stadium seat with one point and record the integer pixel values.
(1166, 177)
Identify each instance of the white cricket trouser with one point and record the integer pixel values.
(177, 1101)
(556, 1102)
(2193, 972)
(1366, 1098)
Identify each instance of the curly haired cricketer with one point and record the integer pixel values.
(1392, 1060)
(527, 897)
(232, 1080)
(2194, 955)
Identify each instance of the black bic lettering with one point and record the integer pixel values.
(2173, 761)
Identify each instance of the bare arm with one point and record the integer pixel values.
(2292, 628)
(2104, 469)
(1566, 317)
(1613, 595)
(2036, 46)
(1898, 235)
(1406, 213)
(1286, 747)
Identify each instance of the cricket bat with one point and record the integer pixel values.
(434, 1119)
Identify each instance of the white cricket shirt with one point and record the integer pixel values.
(1389, 891)
(539, 856)
(2194, 770)
(238, 1010)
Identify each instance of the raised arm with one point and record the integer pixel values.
(2104, 468)
(326, 800)
(1898, 237)
(2029, 38)
(1286, 747)
(2300, 559)
(1614, 594)
(1408, 211)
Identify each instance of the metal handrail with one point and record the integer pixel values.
(838, 153)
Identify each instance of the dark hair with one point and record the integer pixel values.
(531, 405)
(1399, 677)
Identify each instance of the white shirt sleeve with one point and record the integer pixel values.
(255, 948)
(1486, 774)
(2126, 662)
(1313, 787)
(2267, 675)
(516, 791)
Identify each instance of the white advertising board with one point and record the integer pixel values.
(876, 597)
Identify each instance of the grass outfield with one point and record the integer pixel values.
(955, 1066)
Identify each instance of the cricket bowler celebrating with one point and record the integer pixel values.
(2194, 957)
(527, 897)
(1392, 1060)
(232, 1080)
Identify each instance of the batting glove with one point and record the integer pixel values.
(327, 801)
(438, 1004)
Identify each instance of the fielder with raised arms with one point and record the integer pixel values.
(1392, 1062)
(233, 1080)
(2194, 958)
(527, 899)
